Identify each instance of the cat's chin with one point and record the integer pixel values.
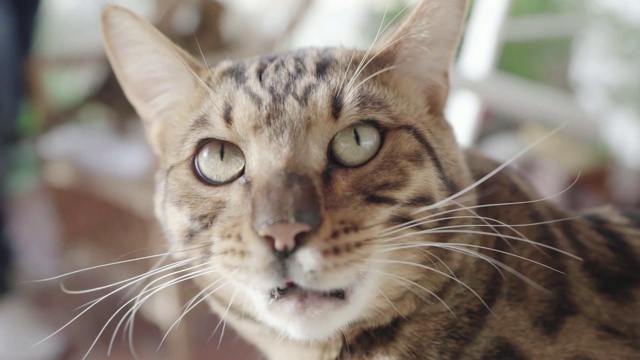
(310, 315)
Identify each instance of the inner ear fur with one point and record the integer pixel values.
(422, 47)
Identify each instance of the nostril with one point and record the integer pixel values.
(284, 237)
(270, 240)
(300, 238)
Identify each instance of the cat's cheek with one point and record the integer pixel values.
(174, 224)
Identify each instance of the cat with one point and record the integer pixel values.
(323, 206)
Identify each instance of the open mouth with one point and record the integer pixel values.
(290, 287)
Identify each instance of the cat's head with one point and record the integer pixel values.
(284, 176)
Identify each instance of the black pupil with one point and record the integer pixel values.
(221, 152)
(357, 136)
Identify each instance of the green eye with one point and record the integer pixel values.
(356, 145)
(219, 162)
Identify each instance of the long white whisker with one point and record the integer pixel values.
(224, 317)
(458, 245)
(129, 280)
(388, 68)
(493, 172)
(478, 232)
(149, 291)
(429, 268)
(390, 302)
(409, 223)
(195, 301)
(364, 64)
(57, 277)
(415, 284)
(84, 311)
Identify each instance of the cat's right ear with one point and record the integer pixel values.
(157, 77)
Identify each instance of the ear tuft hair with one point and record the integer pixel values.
(422, 47)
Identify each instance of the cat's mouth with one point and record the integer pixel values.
(290, 288)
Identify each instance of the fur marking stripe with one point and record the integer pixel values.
(336, 105)
(503, 350)
(446, 181)
(227, 115)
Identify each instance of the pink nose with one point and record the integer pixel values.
(284, 235)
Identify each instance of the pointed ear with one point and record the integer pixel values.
(422, 46)
(157, 77)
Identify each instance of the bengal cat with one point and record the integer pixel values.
(320, 201)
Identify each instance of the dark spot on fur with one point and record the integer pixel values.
(199, 123)
(394, 184)
(380, 200)
(611, 331)
(322, 66)
(336, 250)
(236, 72)
(260, 72)
(503, 349)
(371, 341)
(421, 200)
(227, 115)
(614, 279)
(371, 102)
(255, 98)
(306, 93)
(336, 105)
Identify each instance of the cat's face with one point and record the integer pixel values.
(281, 176)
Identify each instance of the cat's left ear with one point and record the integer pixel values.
(422, 47)
(157, 76)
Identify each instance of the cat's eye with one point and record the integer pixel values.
(356, 145)
(219, 162)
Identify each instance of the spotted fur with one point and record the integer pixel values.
(434, 268)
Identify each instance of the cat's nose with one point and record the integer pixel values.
(286, 206)
(283, 236)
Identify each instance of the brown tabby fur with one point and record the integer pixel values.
(532, 300)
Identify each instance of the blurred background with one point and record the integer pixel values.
(80, 181)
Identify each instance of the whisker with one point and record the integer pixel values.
(131, 279)
(364, 64)
(415, 284)
(390, 302)
(83, 312)
(493, 172)
(224, 317)
(148, 291)
(429, 268)
(195, 301)
(478, 206)
(478, 232)
(457, 245)
(57, 277)
(388, 68)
